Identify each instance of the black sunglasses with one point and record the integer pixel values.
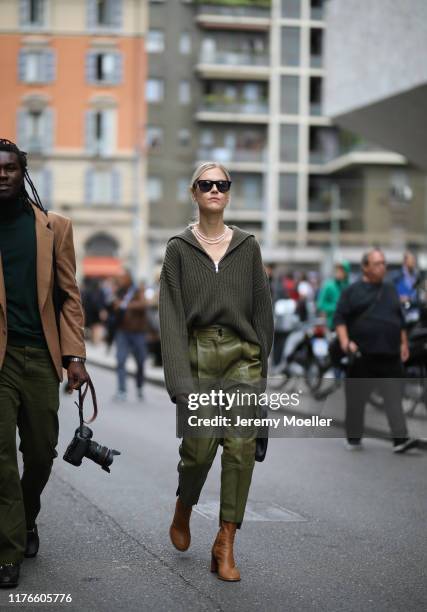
(206, 186)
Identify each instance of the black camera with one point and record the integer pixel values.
(82, 445)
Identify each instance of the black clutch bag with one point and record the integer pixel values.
(262, 441)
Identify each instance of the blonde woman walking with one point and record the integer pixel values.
(216, 330)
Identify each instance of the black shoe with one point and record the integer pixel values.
(405, 445)
(9, 575)
(33, 543)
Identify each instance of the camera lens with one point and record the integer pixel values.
(102, 455)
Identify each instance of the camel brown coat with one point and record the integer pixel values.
(50, 230)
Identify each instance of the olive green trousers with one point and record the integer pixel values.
(221, 360)
(29, 400)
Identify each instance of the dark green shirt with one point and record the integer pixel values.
(18, 250)
(194, 294)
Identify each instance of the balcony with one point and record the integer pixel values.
(235, 58)
(249, 16)
(240, 160)
(235, 65)
(223, 109)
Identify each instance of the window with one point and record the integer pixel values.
(102, 186)
(42, 179)
(291, 8)
(290, 95)
(319, 193)
(155, 41)
(32, 13)
(101, 131)
(288, 191)
(36, 66)
(184, 92)
(102, 245)
(155, 90)
(317, 9)
(230, 140)
(207, 138)
(289, 143)
(104, 13)
(315, 96)
(208, 50)
(154, 138)
(251, 92)
(324, 144)
(251, 190)
(154, 189)
(182, 188)
(185, 43)
(316, 44)
(184, 137)
(35, 129)
(290, 46)
(104, 67)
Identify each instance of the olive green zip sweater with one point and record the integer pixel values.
(193, 293)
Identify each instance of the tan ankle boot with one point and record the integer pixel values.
(180, 528)
(222, 553)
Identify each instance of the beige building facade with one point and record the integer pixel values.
(75, 103)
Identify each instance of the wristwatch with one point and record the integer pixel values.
(78, 359)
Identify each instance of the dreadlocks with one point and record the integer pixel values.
(11, 147)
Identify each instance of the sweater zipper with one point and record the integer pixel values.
(216, 265)
(226, 253)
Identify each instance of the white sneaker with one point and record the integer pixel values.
(120, 396)
(355, 446)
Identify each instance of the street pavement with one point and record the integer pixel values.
(328, 529)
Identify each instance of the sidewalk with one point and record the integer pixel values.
(375, 420)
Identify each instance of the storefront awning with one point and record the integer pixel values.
(102, 266)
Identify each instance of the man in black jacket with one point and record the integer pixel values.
(369, 324)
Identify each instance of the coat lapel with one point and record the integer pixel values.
(44, 239)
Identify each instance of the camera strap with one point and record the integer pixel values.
(82, 394)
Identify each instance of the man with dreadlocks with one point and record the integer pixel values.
(37, 339)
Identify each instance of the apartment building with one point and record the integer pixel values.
(74, 100)
(253, 100)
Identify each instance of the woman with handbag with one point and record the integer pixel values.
(216, 328)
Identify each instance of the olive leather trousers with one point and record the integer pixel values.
(221, 360)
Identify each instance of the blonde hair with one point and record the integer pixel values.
(202, 168)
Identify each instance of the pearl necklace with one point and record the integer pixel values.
(204, 238)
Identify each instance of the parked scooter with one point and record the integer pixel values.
(305, 355)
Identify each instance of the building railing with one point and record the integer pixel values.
(235, 10)
(233, 106)
(226, 155)
(321, 157)
(234, 58)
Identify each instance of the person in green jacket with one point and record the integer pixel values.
(331, 290)
(216, 331)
